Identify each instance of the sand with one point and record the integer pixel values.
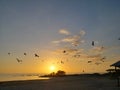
(63, 83)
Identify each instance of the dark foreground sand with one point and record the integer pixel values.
(63, 83)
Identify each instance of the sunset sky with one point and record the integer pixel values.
(61, 33)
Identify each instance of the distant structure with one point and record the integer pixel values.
(117, 71)
(110, 70)
(116, 65)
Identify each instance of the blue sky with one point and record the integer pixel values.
(31, 25)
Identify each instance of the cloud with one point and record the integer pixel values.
(94, 57)
(56, 42)
(74, 40)
(94, 54)
(98, 49)
(64, 31)
(68, 39)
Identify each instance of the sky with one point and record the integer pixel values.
(77, 36)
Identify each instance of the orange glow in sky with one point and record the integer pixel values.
(52, 68)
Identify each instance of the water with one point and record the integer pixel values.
(17, 77)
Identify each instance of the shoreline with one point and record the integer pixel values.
(63, 83)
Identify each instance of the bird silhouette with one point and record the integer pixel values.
(36, 55)
(83, 71)
(25, 54)
(89, 61)
(64, 51)
(9, 53)
(119, 38)
(62, 62)
(93, 43)
(18, 60)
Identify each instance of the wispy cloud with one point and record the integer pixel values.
(68, 39)
(64, 31)
(96, 54)
(94, 57)
(98, 49)
(56, 42)
(93, 54)
(74, 40)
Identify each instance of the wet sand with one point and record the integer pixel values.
(63, 83)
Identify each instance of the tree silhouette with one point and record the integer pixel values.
(52, 74)
(60, 73)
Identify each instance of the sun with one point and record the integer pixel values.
(52, 68)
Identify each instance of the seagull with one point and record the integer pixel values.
(25, 54)
(9, 53)
(119, 38)
(83, 71)
(62, 62)
(64, 51)
(89, 61)
(18, 60)
(36, 55)
(93, 43)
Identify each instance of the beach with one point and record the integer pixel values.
(63, 83)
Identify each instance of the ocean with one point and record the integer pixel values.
(20, 76)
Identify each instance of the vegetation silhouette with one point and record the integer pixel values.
(59, 73)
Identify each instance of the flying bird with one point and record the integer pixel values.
(93, 43)
(64, 51)
(36, 55)
(62, 62)
(18, 60)
(89, 61)
(83, 71)
(25, 54)
(119, 38)
(9, 53)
